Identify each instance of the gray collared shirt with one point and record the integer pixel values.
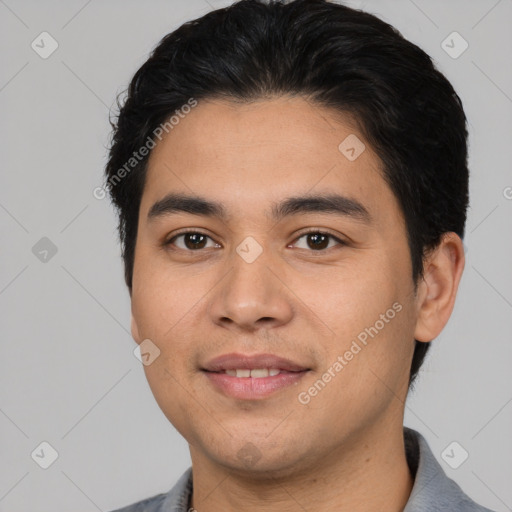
(433, 491)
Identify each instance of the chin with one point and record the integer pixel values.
(259, 464)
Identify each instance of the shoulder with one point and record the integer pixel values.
(433, 490)
(153, 504)
(176, 499)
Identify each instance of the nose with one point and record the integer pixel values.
(251, 296)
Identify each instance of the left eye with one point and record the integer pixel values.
(318, 241)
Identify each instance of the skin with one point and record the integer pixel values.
(344, 449)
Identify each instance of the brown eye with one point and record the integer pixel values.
(190, 241)
(318, 241)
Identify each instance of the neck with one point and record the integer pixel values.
(368, 473)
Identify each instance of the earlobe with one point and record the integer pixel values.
(438, 289)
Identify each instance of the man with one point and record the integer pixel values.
(292, 184)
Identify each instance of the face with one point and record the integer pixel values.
(323, 286)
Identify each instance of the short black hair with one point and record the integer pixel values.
(339, 57)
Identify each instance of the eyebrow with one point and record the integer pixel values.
(325, 203)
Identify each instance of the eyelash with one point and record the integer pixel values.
(340, 242)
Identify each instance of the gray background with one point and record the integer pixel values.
(68, 373)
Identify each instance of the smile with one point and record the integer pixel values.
(256, 373)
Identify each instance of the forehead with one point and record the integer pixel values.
(245, 155)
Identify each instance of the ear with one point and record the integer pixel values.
(437, 290)
(135, 331)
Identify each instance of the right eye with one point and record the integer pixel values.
(190, 241)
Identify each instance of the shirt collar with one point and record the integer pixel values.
(432, 489)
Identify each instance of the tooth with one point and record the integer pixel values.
(260, 372)
(257, 373)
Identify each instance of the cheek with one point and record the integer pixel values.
(348, 298)
(161, 299)
(367, 311)
(386, 342)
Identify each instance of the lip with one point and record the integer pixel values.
(251, 388)
(236, 361)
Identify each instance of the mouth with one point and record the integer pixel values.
(252, 377)
(255, 373)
